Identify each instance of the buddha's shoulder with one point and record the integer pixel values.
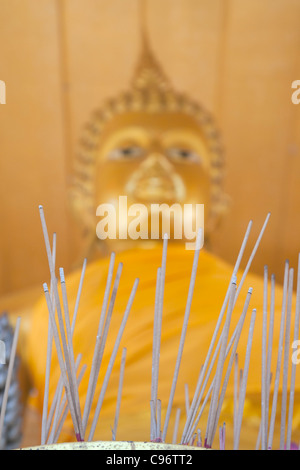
(143, 263)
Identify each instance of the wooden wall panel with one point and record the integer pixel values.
(257, 118)
(291, 221)
(31, 140)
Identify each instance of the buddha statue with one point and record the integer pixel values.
(154, 146)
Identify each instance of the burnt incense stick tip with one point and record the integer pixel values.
(250, 291)
(45, 287)
(78, 437)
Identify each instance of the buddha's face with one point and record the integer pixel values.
(153, 158)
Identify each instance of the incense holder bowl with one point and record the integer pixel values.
(114, 446)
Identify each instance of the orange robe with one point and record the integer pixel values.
(213, 278)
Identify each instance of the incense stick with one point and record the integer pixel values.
(101, 341)
(250, 261)
(57, 413)
(153, 424)
(161, 275)
(66, 359)
(264, 429)
(176, 425)
(158, 421)
(155, 353)
(230, 364)
(286, 360)
(233, 279)
(187, 400)
(119, 393)
(294, 364)
(220, 366)
(192, 440)
(9, 374)
(253, 253)
(61, 359)
(258, 440)
(112, 360)
(196, 402)
(83, 270)
(70, 350)
(222, 437)
(235, 392)
(244, 380)
(65, 409)
(57, 396)
(240, 323)
(44, 431)
(59, 388)
(279, 356)
(199, 439)
(183, 332)
(107, 291)
(61, 401)
(270, 347)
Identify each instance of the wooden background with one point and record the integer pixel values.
(61, 58)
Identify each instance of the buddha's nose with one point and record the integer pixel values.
(156, 180)
(156, 164)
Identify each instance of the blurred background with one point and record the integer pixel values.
(61, 58)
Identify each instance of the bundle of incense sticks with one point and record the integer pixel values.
(221, 358)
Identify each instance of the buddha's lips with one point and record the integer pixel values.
(156, 189)
(155, 194)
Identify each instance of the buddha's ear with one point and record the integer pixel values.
(81, 208)
(217, 214)
(224, 205)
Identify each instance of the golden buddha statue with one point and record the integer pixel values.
(152, 145)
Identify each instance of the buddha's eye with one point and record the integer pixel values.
(182, 154)
(126, 153)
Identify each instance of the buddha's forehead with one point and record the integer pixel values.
(158, 124)
(164, 128)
